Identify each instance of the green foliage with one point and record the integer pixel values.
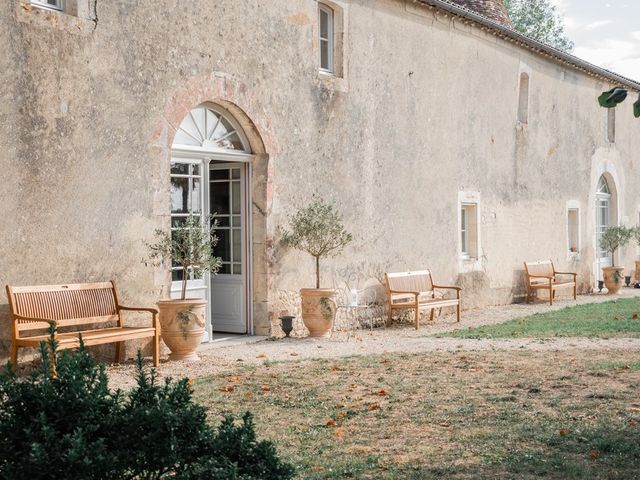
(635, 233)
(540, 20)
(615, 237)
(604, 320)
(318, 230)
(188, 245)
(64, 422)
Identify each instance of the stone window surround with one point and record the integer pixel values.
(574, 205)
(335, 80)
(524, 103)
(469, 264)
(78, 17)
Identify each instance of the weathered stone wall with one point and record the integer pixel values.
(426, 109)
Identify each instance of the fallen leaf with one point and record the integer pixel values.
(563, 432)
(342, 415)
(593, 455)
(316, 469)
(339, 432)
(633, 422)
(331, 423)
(294, 354)
(265, 388)
(227, 389)
(248, 394)
(262, 355)
(382, 393)
(235, 379)
(445, 424)
(273, 375)
(634, 316)
(385, 361)
(354, 385)
(374, 406)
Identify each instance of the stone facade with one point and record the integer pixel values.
(422, 117)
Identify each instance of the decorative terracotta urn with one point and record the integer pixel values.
(613, 279)
(182, 325)
(637, 274)
(319, 309)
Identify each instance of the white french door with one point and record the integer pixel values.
(603, 220)
(228, 202)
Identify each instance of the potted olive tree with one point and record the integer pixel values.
(612, 239)
(189, 246)
(317, 229)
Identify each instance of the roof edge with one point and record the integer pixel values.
(532, 44)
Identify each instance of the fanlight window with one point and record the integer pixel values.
(603, 186)
(210, 130)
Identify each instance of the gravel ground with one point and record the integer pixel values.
(398, 338)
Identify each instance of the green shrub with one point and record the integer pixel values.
(63, 422)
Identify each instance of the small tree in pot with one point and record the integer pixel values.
(189, 246)
(318, 230)
(612, 239)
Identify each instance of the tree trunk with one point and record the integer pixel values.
(184, 283)
(318, 272)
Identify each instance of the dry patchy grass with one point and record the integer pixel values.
(464, 415)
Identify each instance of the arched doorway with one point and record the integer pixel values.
(210, 175)
(605, 215)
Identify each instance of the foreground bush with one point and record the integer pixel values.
(63, 422)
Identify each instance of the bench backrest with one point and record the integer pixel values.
(543, 269)
(420, 281)
(67, 305)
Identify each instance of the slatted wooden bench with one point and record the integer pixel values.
(543, 275)
(416, 290)
(76, 305)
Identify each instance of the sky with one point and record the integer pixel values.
(606, 32)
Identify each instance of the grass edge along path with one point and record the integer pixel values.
(614, 319)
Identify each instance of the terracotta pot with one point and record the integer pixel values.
(318, 310)
(613, 278)
(637, 277)
(182, 325)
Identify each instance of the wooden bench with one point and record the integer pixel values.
(77, 305)
(416, 290)
(543, 275)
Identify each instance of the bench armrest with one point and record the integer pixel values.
(448, 287)
(409, 292)
(152, 311)
(138, 309)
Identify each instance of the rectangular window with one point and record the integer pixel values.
(469, 230)
(573, 229)
(52, 4)
(326, 39)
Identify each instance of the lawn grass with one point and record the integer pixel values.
(615, 319)
(524, 415)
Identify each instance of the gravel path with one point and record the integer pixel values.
(399, 338)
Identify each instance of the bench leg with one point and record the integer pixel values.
(118, 352)
(458, 311)
(389, 317)
(551, 295)
(417, 315)
(575, 292)
(432, 314)
(14, 354)
(528, 295)
(156, 350)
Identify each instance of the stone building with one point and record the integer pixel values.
(447, 140)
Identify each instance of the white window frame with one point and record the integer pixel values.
(574, 206)
(330, 41)
(59, 6)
